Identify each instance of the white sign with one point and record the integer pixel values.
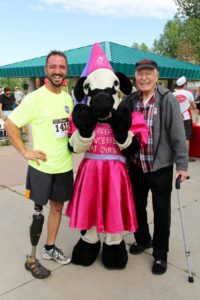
(3, 133)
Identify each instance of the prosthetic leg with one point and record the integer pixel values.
(32, 264)
(86, 250)
(114, 253)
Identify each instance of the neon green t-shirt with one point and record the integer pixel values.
(48, 115)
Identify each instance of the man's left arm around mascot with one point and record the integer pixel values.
(102, 201)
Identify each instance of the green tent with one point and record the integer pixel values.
(122, 59)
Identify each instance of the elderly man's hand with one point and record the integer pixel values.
(183, 174)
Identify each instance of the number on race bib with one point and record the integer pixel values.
(61, 127)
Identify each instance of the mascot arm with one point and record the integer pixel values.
(127, 142)
(134, 147)
(84, 120)
(121, 124)
(137, 135)
(80, 144)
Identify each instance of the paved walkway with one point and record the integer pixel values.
(71, 282)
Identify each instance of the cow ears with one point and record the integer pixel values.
(125, 86)
(125, 83)
(78, 89)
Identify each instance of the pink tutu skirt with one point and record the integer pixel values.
(102, 197)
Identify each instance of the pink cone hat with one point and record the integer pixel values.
(97, 60)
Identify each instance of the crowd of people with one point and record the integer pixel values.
(50, 173)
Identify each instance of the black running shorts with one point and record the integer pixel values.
(188, 129)
(42, 187)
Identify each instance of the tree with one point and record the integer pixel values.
(189, 8)
(169, 39)
(191, 35)
(180, 39)
(141, 46)
(186, 51)
(12, 82)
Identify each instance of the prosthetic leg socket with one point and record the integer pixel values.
(36, 228)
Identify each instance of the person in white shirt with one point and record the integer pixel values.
(186, 101)
(19, 95)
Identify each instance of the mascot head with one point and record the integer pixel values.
(100, 84)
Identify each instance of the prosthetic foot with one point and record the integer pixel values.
(32, 264)
(36, 269)
(114, 256)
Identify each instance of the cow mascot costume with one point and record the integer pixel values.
(102, 200)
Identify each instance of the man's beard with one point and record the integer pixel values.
(53, 83)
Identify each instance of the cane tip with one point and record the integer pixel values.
(190, 279)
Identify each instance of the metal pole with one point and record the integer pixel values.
(187, 252)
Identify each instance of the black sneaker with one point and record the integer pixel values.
(159, 266)
(191, 159)
(137, 248)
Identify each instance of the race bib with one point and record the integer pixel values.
(61, 127)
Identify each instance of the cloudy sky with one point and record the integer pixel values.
(31, 28)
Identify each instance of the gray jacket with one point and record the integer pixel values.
(169, 140)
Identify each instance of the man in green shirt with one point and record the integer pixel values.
(50, 175)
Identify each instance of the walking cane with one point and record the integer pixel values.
(187, 252)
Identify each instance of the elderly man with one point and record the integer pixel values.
(152, 167)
